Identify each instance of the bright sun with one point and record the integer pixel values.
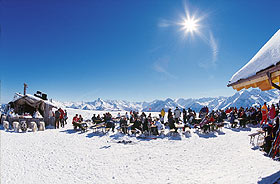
(189, 25)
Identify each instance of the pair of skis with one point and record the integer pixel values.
(275, 145)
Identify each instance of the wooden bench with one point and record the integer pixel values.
(259, 133)
(172, 132)
(83, 126)
(182, 127)
(98, 126)
(220, 125)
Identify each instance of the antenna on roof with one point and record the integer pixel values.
(24, 91)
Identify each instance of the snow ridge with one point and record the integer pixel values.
(244, 98)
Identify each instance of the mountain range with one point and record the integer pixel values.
(244, 98)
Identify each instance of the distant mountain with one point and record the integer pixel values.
(244, 98)
(2, 107)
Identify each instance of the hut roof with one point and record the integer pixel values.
(31, 99)
(254, 73)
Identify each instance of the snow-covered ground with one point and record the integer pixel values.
(66, 156)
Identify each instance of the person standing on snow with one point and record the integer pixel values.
(162, 113)
(184, 116)
(177, 114)
(61, 117)
(161, 119)
(264, 113)
(272, 112)
(126, 116)
(57, 115)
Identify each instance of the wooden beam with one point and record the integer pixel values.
(256, 80)
(270, 81)
(259, 75)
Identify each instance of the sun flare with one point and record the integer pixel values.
(189, 25)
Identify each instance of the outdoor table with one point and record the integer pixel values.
(27, 119)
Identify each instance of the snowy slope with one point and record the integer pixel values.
(157, 105)
(267, 56)
(244, 98)
(64, 156)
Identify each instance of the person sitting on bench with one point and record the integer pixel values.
(232, 118)
(98, 119)
(159, 126)
(137, 125)
(243, 119)
(93, 118)
(212, 125)
(171, 124)
(109, 122)
(123, 125)
(80, 119)
(204, 124)
(75, 121)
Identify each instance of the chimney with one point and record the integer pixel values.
(24, 91)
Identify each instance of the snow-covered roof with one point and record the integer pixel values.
(18, 96)
(267, 56)
(39, 99)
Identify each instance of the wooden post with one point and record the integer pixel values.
(24, 91)
(270, 81)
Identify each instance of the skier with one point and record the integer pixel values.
(264, 113)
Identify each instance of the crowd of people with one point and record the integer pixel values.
(266, 117)
(60, 117)
(144, 123)
(206, 121)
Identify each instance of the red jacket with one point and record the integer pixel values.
(272, 112)
(61, 114)
(212, 119)
(228, 110)
(75, 119)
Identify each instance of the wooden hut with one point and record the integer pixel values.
(25, 106)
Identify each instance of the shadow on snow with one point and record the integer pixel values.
(270, 179)
(206, 136)
(69, 131)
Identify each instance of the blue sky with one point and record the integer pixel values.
(131, 50)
